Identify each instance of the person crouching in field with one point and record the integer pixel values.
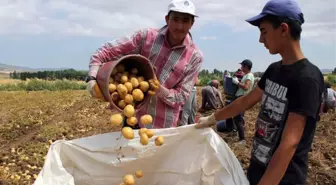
(329, 99)
(211, 97)
(290, 92)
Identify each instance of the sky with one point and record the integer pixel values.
(65, 33)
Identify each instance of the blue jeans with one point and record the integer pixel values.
(237, 121)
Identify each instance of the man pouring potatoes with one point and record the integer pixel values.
(171, 50)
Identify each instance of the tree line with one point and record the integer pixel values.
(72, 74)
(69, 74)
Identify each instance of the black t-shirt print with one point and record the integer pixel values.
(287, 88)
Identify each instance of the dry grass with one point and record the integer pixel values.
(30, 121)
(8, 81)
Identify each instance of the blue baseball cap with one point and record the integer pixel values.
(283, 8)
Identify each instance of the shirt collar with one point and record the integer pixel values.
(186, 42)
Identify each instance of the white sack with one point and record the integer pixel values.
(189, 156)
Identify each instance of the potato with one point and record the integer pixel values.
(120, 68)
(129, 111)
(140, 79)
(114, 72)
(121, 104)
(142, 131)
(98, 92)
(122, 90)
(128, 99)
(111, 80)
(129, 180)
(112, 88)
(122, 97)
(159, 141)
(134, 82)
(138, 95)
(126, 73)
(144, 86)
(144, 139)
(151, 93)
(150, 133)
(154, 84)
(134, 71)
(123, 79)
(115, 96)
(116, 83)
(128, 86)
(139, 173)
(116, 119)
(117, 77)
(131, 76)
(146, 119)
(127, 132)
(132, 121)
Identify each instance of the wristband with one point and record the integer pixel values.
(89, 78)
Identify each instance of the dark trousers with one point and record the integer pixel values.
(238, 121)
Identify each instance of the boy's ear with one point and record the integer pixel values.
(284, 29)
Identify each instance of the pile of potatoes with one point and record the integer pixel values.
(128, 133)
(129, 87)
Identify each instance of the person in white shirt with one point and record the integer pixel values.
(245, 86)
(329, 98)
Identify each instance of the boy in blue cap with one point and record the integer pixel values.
(290, 92)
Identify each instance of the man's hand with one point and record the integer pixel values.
(154, 86)
(94, 90)
(206, 121)
(235, 80)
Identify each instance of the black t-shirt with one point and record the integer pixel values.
(287, 88)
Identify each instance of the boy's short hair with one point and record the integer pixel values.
(295, 28)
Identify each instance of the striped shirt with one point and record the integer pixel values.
(176, 69)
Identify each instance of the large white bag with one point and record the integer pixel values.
(189, 156)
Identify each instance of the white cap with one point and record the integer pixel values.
(182, 6)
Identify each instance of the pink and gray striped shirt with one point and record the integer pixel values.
(176, 69)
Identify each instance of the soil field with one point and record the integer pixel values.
(31, 121)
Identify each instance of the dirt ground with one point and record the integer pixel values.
(31, 121)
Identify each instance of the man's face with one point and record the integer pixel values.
(272, 38)
(244, 68)
(179, 25)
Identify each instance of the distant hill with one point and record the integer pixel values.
(5, 68)
(326, 70)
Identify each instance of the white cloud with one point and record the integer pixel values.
(208, 38)
(120, 17)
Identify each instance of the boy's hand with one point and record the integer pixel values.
(206, 121)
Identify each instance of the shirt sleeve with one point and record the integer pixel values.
(178, 96)
(305, 98)
(250, 77)
(262, 81)
(113, 50)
